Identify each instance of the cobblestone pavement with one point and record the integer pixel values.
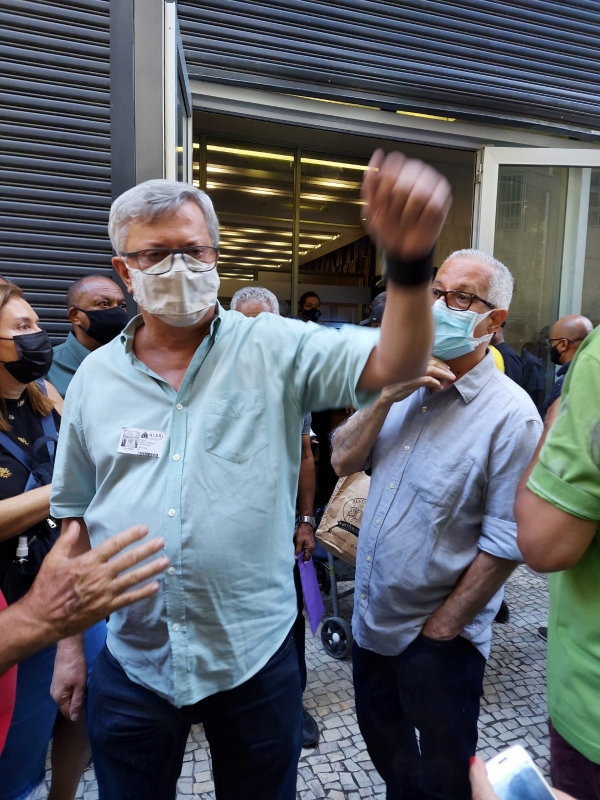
(513, 709)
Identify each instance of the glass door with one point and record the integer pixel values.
(178, 102)
(538, 211)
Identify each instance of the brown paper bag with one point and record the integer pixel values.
(338, 531)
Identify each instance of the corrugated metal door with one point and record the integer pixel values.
(519, 61)
(55, 145)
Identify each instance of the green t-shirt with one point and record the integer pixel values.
(568, 476)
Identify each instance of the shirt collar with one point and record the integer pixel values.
(473, 382)
(563, 370)
(127, 335)
(80, 351)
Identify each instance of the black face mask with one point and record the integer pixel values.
(35, 357)
(105, 324)
(312, 314)
(555, 355)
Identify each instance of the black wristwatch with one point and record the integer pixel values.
(309, 521)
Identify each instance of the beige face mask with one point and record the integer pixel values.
(182, 295)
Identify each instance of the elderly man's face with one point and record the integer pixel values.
(183, 228)
(470, 275)
(253, 309)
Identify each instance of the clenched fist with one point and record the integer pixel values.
(407, 202)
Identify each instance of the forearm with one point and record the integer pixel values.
(352, 442)
(478, 584)
(306, 486)
(74, 644)
(406, 338)
(18, 514)
(22, 634)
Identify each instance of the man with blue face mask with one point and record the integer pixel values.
(189, 422)
(438, 536)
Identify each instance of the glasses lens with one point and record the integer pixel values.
(150, 258)
(459, 300)
(435, 294)
(203, 258)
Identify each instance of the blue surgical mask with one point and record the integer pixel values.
(454, 331)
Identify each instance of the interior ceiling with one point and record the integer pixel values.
(251, 181)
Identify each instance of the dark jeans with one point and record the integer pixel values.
(571, 771)
(299, 629)
(434, 688)
(254, 732)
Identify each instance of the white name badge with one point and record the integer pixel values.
(141, 442)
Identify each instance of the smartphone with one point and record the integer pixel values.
(514, 776)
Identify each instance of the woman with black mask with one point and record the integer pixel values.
(29, 420)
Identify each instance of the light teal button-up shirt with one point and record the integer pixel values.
(222, 492)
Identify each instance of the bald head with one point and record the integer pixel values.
(85, 292)
(567, 334)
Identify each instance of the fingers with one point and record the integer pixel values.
(132, 557)
(133, 596)
(370, 175)
(116, 543)
(482, 788)
(67, 539)
(432, 384)
(440, 374)
(76, 703)
(140, 574)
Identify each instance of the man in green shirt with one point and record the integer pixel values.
(97, 311)
(557, 512)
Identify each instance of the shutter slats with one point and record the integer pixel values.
(526, 61)
(54, 150)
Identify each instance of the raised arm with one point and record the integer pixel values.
(406, 205)
(353, 441)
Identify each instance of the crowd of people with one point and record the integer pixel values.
(193, 423)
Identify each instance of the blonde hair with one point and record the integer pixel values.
(40, 403)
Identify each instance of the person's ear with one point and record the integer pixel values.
(562, 345)
(76, 317)
(495, 319)
(121, 268)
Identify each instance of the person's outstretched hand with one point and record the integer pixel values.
(482, 788)
(73, 592)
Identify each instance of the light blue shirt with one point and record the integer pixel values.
(445, 469)
(222, 492)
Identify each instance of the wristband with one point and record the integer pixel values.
(410, 273)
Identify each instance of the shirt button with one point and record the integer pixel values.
(377, 521)
(368, 558)
(171, 571)
(176, 457)
(424, 409)
(407, 447)
(178, 406)
(176, 626)
(362, 595)
(392, 485)
(172, 512)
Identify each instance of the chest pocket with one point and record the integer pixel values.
(235, 424)
(438, 484)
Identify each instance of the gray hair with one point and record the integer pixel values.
(255, 294)
(501, 284)
(152, 199)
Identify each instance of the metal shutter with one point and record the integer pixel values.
(55, 143)
(519, 61)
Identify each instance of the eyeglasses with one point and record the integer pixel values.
(205, 256)
(460, 301)
(548, 342)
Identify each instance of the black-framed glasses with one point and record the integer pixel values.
(548, 342)
(460, 301)
(198, 258)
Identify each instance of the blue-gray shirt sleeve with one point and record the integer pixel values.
(508, 461)
(306, 424)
